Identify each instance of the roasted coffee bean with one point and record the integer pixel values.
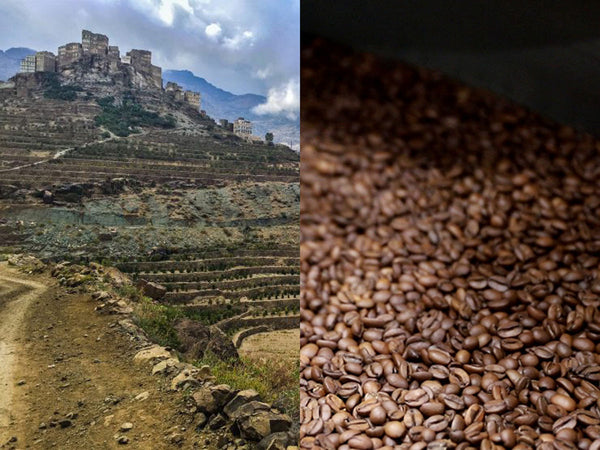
(436, 423)
(563, 401)
(416, 398)
(395, 429)
(449, 269)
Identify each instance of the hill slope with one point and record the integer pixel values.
(221, 104)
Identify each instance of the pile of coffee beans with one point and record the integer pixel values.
(450, 245)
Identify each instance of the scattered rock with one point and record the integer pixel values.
(201, 420)
(176, 438)
(166, 367)
(184, 380)
(217, 421)
(122, 440)
(153, 290)
(152, 354)
(248, 409)
(65, 423)
(262, 423)
(143, 396)
(241, 398)
(204, 400)
(101, 296)
(126, 426)
(197, 338)
(275, 441)
(48, 197)
(21, 382)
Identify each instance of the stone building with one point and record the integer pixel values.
(189, 97)
(242, 127)
(193, 99)
(69, 53)
(141, 60)
(226, 124)
(94, 43)
(156, 72)
(45, 62)
(175, 91)
(28, 64)
(114, 53)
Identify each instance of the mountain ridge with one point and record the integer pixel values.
(10, 60)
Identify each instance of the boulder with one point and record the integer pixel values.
(197, 338)
(239, 399)
(184, 380)
(210, 399)
(167, 367)
(151, 355)
(260, 424)
(48, 197)
(153, 290)
(217, 421)
(101, 296)
(248, 409)
(204, 400)
(276, 441)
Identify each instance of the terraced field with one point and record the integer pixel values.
(210, 217)
(254, 291)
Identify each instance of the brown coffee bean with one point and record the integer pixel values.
(564, 401)
(494, 406)
(450, 291)
(416, 398)
(361, 442)
(395, 429)
(432, 408)
(378, 415)
(438, 356)
(436, 423)
(583, 344)
(453, 401)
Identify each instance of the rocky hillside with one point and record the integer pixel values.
(220, 104)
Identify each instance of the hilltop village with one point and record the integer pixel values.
(94, 48)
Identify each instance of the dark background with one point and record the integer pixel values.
(542, 54)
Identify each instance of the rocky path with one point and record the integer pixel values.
(64, 151)
(68, 380)
(16, 295)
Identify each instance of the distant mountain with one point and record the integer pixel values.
(221, 104)
(10, 61)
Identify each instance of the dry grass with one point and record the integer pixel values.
(274, 345)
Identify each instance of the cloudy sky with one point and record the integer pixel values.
(238, 45)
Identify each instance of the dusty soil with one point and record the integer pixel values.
(282, 344)
(67, 379)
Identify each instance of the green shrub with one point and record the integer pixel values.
(157, 321)
(124, 119)
(272, 379)
(57, 91)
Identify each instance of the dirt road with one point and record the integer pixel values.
(67, 380)
(16, 295)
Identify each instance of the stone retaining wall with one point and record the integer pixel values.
(273, 323)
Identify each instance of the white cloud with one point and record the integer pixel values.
(237, 41)
(263, 73)
(257, 47)
(163, 9)
(284, 99)
(213, 30)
